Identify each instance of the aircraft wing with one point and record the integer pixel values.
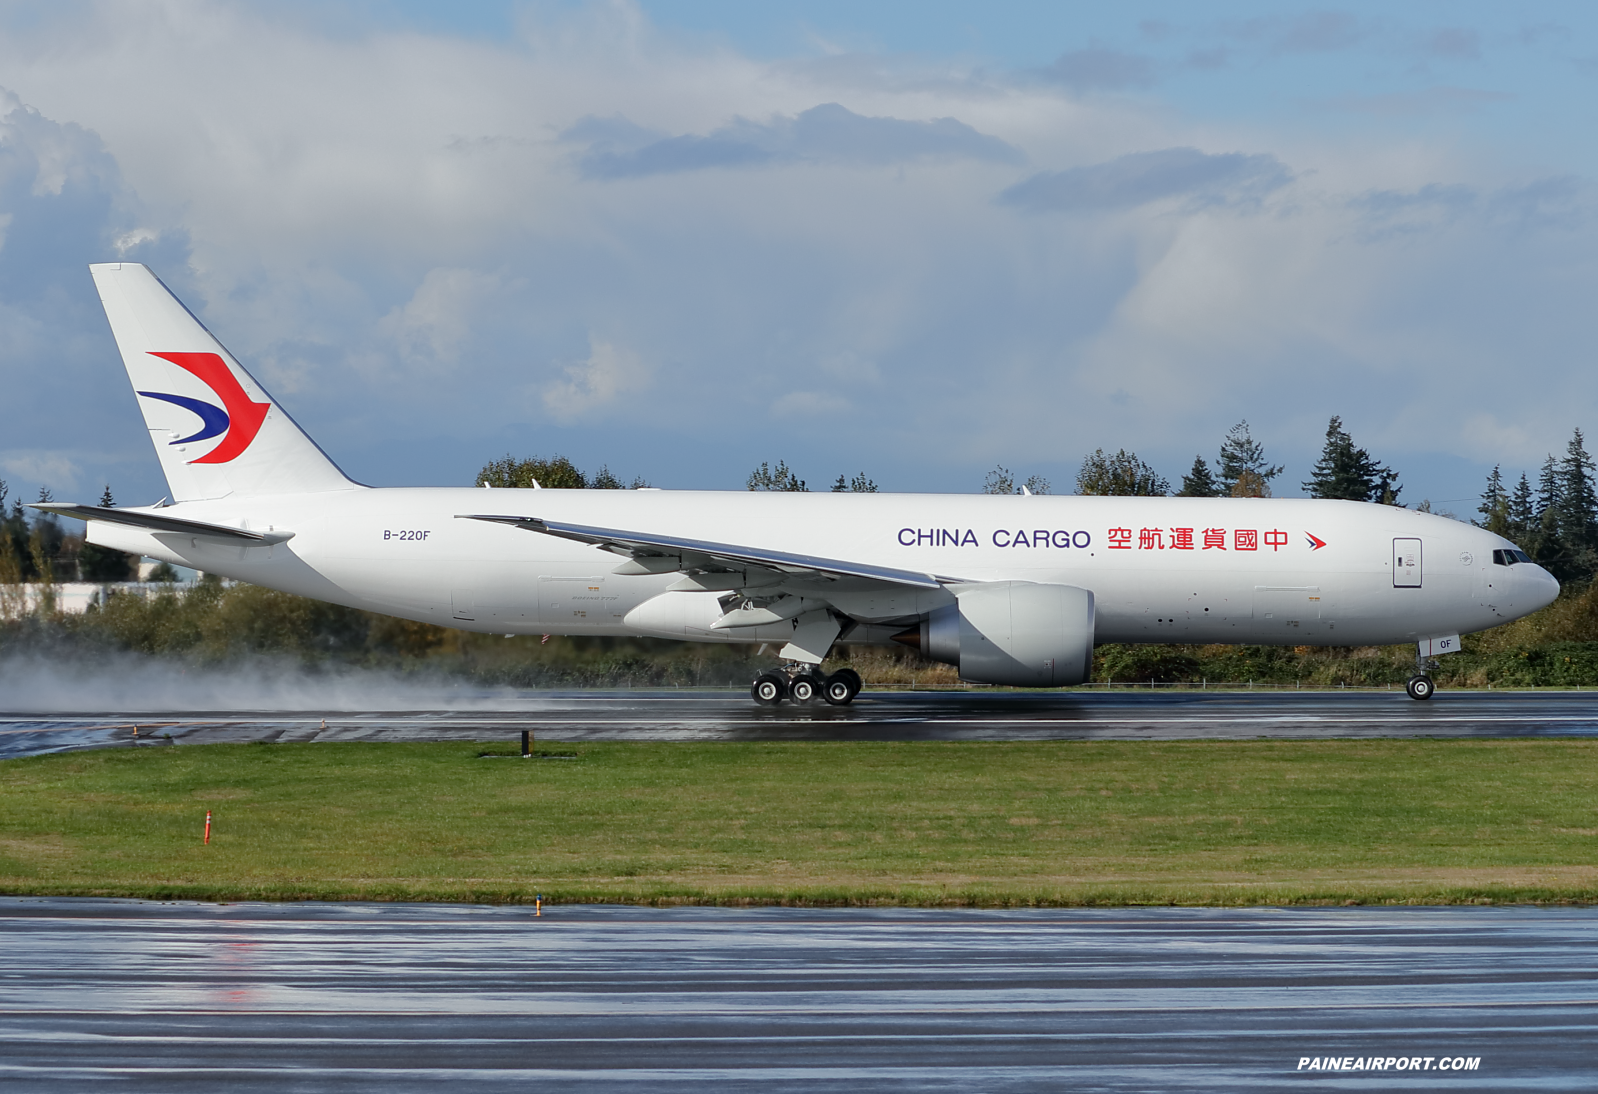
(155, 522)
(703, 554)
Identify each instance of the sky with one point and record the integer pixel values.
(910, 240)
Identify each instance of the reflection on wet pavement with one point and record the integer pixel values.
(889, 716)
(246, 997)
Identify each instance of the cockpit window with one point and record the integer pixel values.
(1510, 556)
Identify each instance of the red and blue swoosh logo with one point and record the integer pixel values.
(236, 421)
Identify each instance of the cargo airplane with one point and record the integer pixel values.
(1014, 590)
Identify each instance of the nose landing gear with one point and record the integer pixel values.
(1420, 685)
(802, 683)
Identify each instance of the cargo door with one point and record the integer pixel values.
(1406, 563)
(572, 601)
(1287, 607)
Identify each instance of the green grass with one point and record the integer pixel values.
(1215, 822)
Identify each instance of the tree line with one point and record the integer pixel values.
(40, 550)
(1555, 522)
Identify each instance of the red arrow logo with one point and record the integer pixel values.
(244, 415)
(1315, 542)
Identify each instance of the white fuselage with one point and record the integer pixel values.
(1161, 569)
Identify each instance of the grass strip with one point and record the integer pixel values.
(936, 824)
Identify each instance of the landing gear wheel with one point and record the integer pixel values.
(769, 689)
(803, 689)
(841, 687)
(1420, 687)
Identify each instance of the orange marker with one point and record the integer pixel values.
(207, 826)
(538, 904)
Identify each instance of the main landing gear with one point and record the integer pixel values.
(803, 683)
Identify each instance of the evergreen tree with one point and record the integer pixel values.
(1547, 488)
(103, 564)
(1545, 546)
(1199, 482)
(857, 485)
(1578, 501)
(764, 478)
(1495, 505)
(1120, 475)
(1244, 472)
(1522, 513)
(1347, 472)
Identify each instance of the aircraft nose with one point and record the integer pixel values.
(1543, 587)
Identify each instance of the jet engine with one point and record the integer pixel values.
(1021, 633)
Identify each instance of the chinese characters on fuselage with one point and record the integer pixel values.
(1182, 539)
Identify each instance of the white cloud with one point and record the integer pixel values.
(609, 373)
(810, 404)
(361, 215)
(57, 470)
(433, 328)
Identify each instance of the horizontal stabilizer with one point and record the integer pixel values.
(156, 522)
(724, 554)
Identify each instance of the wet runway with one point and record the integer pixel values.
(248, 997)
(881, 716)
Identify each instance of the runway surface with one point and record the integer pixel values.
(254, 997)
(882, 716)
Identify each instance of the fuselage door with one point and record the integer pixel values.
(1406, 563)
(574, 601)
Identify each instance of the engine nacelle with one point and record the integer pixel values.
(1022, 633)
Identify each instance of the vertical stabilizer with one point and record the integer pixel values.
(217, 432)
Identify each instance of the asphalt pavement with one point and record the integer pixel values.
(708, 714)
(255, 997)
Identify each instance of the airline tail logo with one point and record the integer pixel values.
(239, 418)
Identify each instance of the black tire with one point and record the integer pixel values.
(837, 691)
(769, 689)
(841, 687)
(803, 688)
(1420, 687)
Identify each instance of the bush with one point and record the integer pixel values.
(1159, 664)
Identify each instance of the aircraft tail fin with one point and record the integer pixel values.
(216, 431)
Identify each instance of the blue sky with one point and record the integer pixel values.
(916, 240)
